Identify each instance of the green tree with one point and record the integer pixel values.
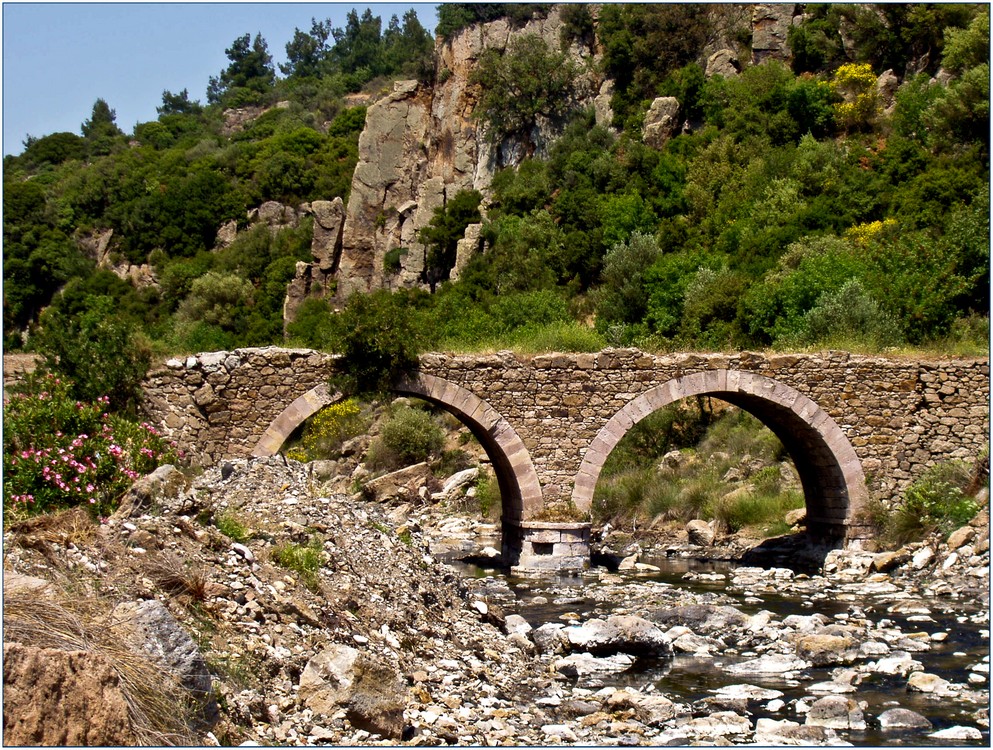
(178, 104)
(217, 299)
(358, 48)
(249, 76)
(644, 43)
(848, 317)
(101, 132)
(442, 234)
(408, 49)
(376, 341)
(96, 350)
(622, 297)
(306, 53)
(526, 81)
(54, 149)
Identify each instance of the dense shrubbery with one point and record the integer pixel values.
(934, 504)
(60, 452)
(409, 436)
(794, 211)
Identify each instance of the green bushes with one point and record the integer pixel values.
(774, 159)
(518, 85)
(407, 437)
(716, 474)
(95, 351)
(935, 503)
(59, 452)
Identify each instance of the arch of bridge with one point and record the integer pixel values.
(831, 474)
(520, 488)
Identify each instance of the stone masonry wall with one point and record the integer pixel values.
(218, 405)
(900, 415)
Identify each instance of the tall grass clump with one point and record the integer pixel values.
(162, 712)
(935, 503)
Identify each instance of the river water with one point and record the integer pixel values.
(687, 678)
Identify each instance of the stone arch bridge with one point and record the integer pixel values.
(855, 426)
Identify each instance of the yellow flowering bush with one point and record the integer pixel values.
(863, 234)
(855, 83)
(327, 430)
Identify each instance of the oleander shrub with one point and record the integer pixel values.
(59, 452)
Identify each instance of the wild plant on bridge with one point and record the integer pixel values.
(59, 452)
(935, 503)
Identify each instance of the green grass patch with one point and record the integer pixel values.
(304, 560)
(232, 526)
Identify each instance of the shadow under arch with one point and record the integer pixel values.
(520, 489)
(833, 482)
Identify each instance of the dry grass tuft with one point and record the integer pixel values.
(159, 707)
(173, 576)
(72, 526)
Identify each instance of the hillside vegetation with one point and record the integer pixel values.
(796, 207)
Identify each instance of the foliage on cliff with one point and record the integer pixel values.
(794, 209)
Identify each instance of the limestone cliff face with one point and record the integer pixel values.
(421, 146)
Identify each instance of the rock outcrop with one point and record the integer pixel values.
(54, 697)
(99, 245)
(421, 146)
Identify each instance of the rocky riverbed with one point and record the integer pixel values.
(383, 643)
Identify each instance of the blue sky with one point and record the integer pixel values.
(59, 58)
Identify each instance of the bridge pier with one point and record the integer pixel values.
(546, 547)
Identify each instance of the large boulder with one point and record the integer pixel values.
(161, 491)
(700, 533)
(54, 697)
(624, 634)
(151, 630)
(823, 650)
(902, 718)
(652, 710)
(836, 712)
(702, 618)
(371, 693)
(404, 483)
(580, 665)
(661, 122)
(724, 63)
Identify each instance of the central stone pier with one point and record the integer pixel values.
(545, 546)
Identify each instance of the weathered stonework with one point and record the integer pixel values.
(855, 426)
(219, 405)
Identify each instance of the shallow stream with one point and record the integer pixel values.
(688, 678)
